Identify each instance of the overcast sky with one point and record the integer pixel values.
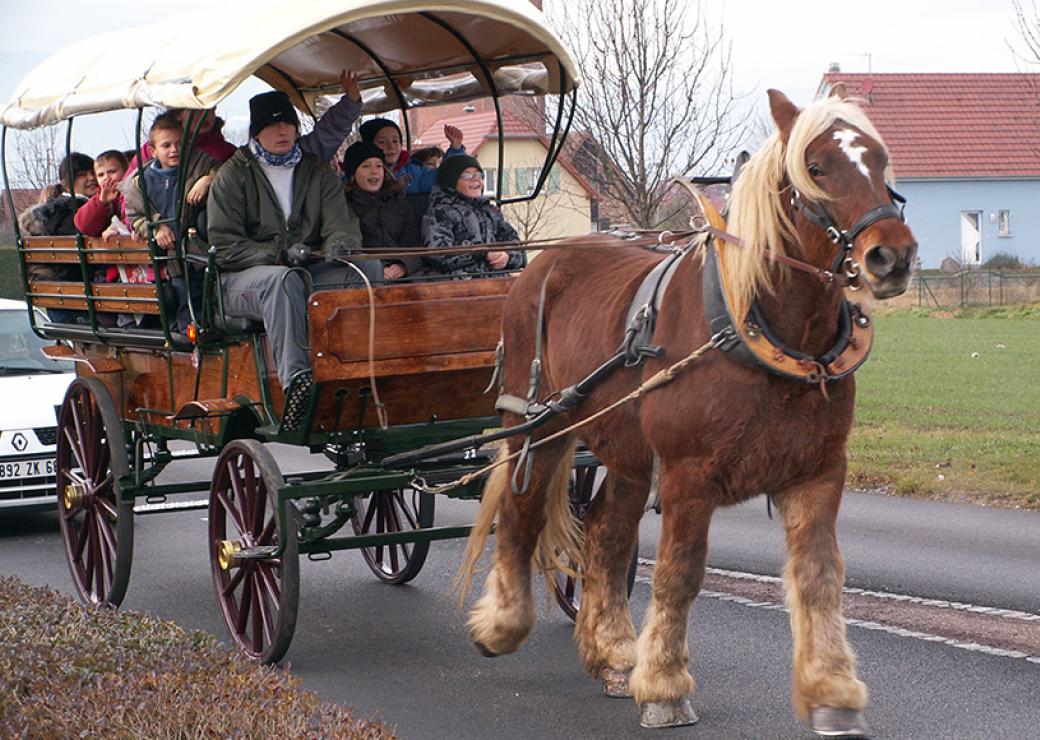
(786, 45)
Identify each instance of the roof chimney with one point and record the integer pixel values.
(834, 68)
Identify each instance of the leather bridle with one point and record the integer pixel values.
(843, 263)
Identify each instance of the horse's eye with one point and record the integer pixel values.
(814, 170)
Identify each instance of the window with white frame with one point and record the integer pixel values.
(490, 180)
(1004, 222)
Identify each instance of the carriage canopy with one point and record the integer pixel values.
(408, 53)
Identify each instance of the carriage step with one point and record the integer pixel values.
(201, 503)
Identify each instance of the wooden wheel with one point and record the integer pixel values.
(585, 484)
(386, 512)
(97, 528)
(258, 597)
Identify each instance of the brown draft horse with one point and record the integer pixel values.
(722, 431)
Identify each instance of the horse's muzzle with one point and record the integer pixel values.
(888, 269)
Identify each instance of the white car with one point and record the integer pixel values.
(32, 388)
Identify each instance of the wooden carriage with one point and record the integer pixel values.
(427, 362)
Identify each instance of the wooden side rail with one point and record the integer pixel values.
(62, 250)
(442, 326)
(115, 297)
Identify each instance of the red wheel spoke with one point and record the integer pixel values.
(370, 512)
(258, 619)
(82, 541)
(105, 556)
(233, 582)
(236, 517)
(394, 566)
(266, 535)
(76, 452)
(236, 488)
(109, 537)
(265, 618)
(270, 582)
(243, 606)
(106, 506)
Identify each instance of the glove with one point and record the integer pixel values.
(298, 254)
(336, 249)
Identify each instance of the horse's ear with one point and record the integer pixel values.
(838, 90)
(783, 110)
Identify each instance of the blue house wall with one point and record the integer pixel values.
(934, 213)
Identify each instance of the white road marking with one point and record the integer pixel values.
(898, 631)
(845, 137)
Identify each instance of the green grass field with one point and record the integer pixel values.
(10, 280)
(950, 406)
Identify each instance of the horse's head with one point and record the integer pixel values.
(841, 203)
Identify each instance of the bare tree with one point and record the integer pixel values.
(1027, 24)
(37, 156)
(656, 98)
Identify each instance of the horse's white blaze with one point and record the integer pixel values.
(845, 137)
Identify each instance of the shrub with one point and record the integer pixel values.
(72, 671)
(1004, 261)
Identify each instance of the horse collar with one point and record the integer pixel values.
(754, 344)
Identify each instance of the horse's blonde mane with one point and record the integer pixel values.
(756, 207)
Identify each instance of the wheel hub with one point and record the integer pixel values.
(227, 554)
(73, 496)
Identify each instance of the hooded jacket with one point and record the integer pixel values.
(56, 217)
(247, 226)
(455, 220)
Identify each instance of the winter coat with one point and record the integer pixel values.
(388, 224)
(93, 217)
(246, 224)
(56, 217)
(455, 220)
(163, 198)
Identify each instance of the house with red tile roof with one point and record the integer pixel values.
(965, 150)
(566, 206)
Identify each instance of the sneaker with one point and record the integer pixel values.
(297, 401)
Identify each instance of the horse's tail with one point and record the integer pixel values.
(497, 484)
(560, 543)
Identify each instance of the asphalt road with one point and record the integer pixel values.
(401, 652)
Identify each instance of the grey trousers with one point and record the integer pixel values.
(277, 296)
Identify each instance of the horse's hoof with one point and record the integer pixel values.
(832, 722)
(615, 684)
(658, 714)
(484, 650)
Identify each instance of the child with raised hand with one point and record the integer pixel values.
(387, 221)
(161, 178)
(461, 215)
(386, 135)
(95, 216)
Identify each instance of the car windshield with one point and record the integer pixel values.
(20, 349)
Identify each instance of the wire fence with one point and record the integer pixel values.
(975, 288)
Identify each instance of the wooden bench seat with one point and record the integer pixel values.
(62, 250)
(111, 297)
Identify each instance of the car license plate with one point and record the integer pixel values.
(14, 469)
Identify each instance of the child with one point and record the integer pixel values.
(55, 216)
(460, 215)
(386, 135)
(96, 214)
(430, 157)
(160, 177)
(387, 221)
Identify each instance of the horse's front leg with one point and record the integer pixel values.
(661, 682)
(604, 631)
(827, 694)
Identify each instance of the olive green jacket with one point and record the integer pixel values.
(246, 224)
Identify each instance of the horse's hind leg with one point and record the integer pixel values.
(661, 682)
(827, 694)
(504, 615)
(604, 631)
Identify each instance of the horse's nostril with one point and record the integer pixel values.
(881, 260)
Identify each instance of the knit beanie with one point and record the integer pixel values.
(357, 153)
(450, 169)
(369, 129)
(268, 108)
